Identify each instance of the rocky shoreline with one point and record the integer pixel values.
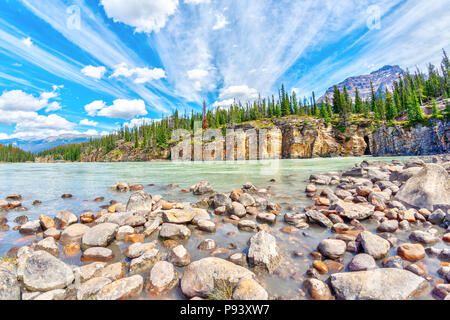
(368, 210)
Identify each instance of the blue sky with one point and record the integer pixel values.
(85, 67)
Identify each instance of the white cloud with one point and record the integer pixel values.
(52, 121)
(93, 107)
(89, 123)
(221, 22)
(121, 108)
(94, 72)
(235, 93)
(17, 105)
(27, 42)
(145, 16)
(140, 75)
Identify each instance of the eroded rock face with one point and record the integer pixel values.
(44, 272)
(199, 277)
(429, 188)
(378, 284)
(263, 251)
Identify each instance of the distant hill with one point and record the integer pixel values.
(381, 79)
(37, 145)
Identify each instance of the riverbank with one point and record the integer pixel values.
(272, 241)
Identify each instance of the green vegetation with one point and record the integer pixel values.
(409, 93)
(223, 290)
(13, 154)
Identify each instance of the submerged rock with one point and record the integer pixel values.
(378, 284)
(249, 289)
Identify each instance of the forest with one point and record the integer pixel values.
(12, 154)
(409, 93)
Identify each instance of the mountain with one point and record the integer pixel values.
(37, 145)
(381, 79)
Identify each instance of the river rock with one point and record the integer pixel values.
(221, 200)
(249, 289)
(295, 218)
(266, 218)
(97, 254)
(332, 248)
(200, 276)
(247, 200)
(179, 256)
(139, 201)
(73, 233)
(248, 225)
(238, 258)
(207, 245)
(89, 271)
(31, 227)
(362, 262)
(237, 209)
(90, 288)
(163, 278)
(394, 262)
(9, 286)
(52, 232)
(374, 245)
(429, 188)
(378, 284)
(202, 187)
(317, 290)
(44, 272)
(135, 221)
(423, 237)
(49, 245)
(151, 226)
(319, 218)
(178, 216)
(174, 231)
(263, 251)
(65, 218)
(124, 231)
(206, 225)
(122, 289)
(388, 226)
(411, 252)
(118, 218)
(437, 216)
(100, 235)
(137, 249)
(46, 222)
(145, 262)
(200, 214)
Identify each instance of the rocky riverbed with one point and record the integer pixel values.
(379, 230)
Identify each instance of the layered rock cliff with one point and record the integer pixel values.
(293, 138)
(419, 140)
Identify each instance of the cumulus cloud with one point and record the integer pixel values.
(120, 109)
(94, 72)
(236, 93)
(139, 75)
(221, 22)
(137, 122)
(89, 123)
(145, 16)
(17, 105)
(93, 107)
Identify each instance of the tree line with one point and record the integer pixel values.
(10, 153)
(409, 93)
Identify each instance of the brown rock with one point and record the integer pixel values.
(46, 222)
(411, 252)
(320, 266)
(71, 250)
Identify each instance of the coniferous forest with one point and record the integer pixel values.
(409, 93)
(13, 154)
